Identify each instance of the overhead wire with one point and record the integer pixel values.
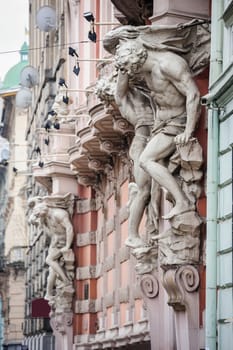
(48, 46)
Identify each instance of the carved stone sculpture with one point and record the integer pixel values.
(163, 60)
(136, 106)
(53, 216)
(61, 108)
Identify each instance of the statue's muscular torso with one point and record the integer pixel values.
(164, 79)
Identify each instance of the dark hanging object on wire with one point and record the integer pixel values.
(92, 35)
(76, 69)
(47, 125)
(56, 125)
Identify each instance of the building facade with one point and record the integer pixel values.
(92, 282)
(219, 305)
(13, 170)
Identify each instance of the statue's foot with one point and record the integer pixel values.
(178, 210)
(134, 242)
(48, 297)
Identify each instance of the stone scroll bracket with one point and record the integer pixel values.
(179, 282)
(62, 326)
(172, 299)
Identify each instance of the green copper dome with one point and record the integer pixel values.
(12, 77)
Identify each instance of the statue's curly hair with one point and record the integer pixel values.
(132, 53)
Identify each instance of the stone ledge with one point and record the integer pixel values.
(84, 239)
(109, 263)
(124, 295)
(110, 226)
(85, 205)
(108, 299)
(87, 272)
(123, 214)
(85, 306)
(124, 254)
(115, 337)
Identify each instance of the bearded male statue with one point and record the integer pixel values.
(165, 59)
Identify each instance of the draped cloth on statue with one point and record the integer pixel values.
(190, 40)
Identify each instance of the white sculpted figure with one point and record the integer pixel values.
(174, 93)
(54, 219)
(135, 105)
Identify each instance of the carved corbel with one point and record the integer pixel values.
(112, 146)
(178, 282)
(87, 180)
(99, 165)
(149, 286)
(122, 125)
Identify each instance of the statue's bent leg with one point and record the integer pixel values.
(57, 268)
(50, 284)
(143, 187)
(160, 147)
(136, 211)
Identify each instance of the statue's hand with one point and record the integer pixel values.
(64, 249)
(182, 138)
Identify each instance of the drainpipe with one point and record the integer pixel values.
(211, 241)
(212, 181)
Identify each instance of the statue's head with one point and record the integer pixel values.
(105, 89)
(39, 211)
(130, 57)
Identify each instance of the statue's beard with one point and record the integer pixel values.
(130, 67)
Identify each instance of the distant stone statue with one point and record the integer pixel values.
(135, 105)
(139, 53)
(53, 215)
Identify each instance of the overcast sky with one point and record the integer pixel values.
(13, 21)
